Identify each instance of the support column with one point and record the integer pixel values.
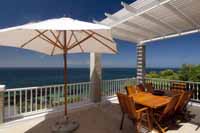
(2, 89)
(141, 63)
(95, 76)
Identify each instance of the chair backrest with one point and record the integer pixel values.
(187, 97)
(169, 109)
(181, 99)
(140, 87)
(179, 86)
(149, 87)
(127, 105)
(131, 107)
(122, 102)
(131, 89)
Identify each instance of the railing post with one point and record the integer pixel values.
(95, 76)
(141, 63)
(2, 89)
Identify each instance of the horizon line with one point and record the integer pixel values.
(89, 67)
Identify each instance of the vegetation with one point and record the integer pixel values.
(187, 72)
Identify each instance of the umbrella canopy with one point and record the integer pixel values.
(60, 36)
(48, 37)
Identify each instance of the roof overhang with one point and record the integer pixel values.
(150, 20)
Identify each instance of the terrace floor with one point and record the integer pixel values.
(101, 118)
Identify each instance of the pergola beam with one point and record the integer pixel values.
(132, 25)
(142, 11)
(163, 28)
(159, 22)
(180, 14)
(129, 8)
(171, 36)
(130, 33)
(142, 28)
(150, 18)
(118, 35)
(124, 37)
(113, 18)
(98, 22)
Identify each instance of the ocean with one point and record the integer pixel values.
(28, 77)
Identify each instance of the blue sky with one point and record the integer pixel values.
(166, 53)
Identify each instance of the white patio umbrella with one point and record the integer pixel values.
(60, 36)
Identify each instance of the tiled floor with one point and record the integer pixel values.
(104, 118)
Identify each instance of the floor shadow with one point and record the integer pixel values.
(100, 118)
(194, 115)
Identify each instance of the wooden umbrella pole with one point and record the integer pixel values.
(65, 81)
(65, 71)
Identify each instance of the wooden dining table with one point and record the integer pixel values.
(152, 102)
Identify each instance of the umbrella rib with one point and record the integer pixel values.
(23, 45)
(77, 41)
(105, 44)
(57, 38)
(81, 48)
(70, 38)
(46, 40)
(75, 36)
(101, 36)
(49, 40)
(68, 43)
(101, 42)
(52, 52)
(86, 38)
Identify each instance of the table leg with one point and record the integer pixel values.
(156, 122)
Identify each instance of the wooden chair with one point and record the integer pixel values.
(186, 99)
(179, 86)
(123, 107)
(140, 87)
(149, 87)
(166, 113)
(181, 99)
(131, 89)
(136, 115)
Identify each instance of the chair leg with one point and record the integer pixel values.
(149, 123)
(122, 121)
(136, 126)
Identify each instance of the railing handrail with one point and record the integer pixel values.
(45, 86)
(118, 79)
(173, 80)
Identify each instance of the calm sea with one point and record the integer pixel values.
(26, 77)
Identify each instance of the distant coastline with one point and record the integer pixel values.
(26, 76)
